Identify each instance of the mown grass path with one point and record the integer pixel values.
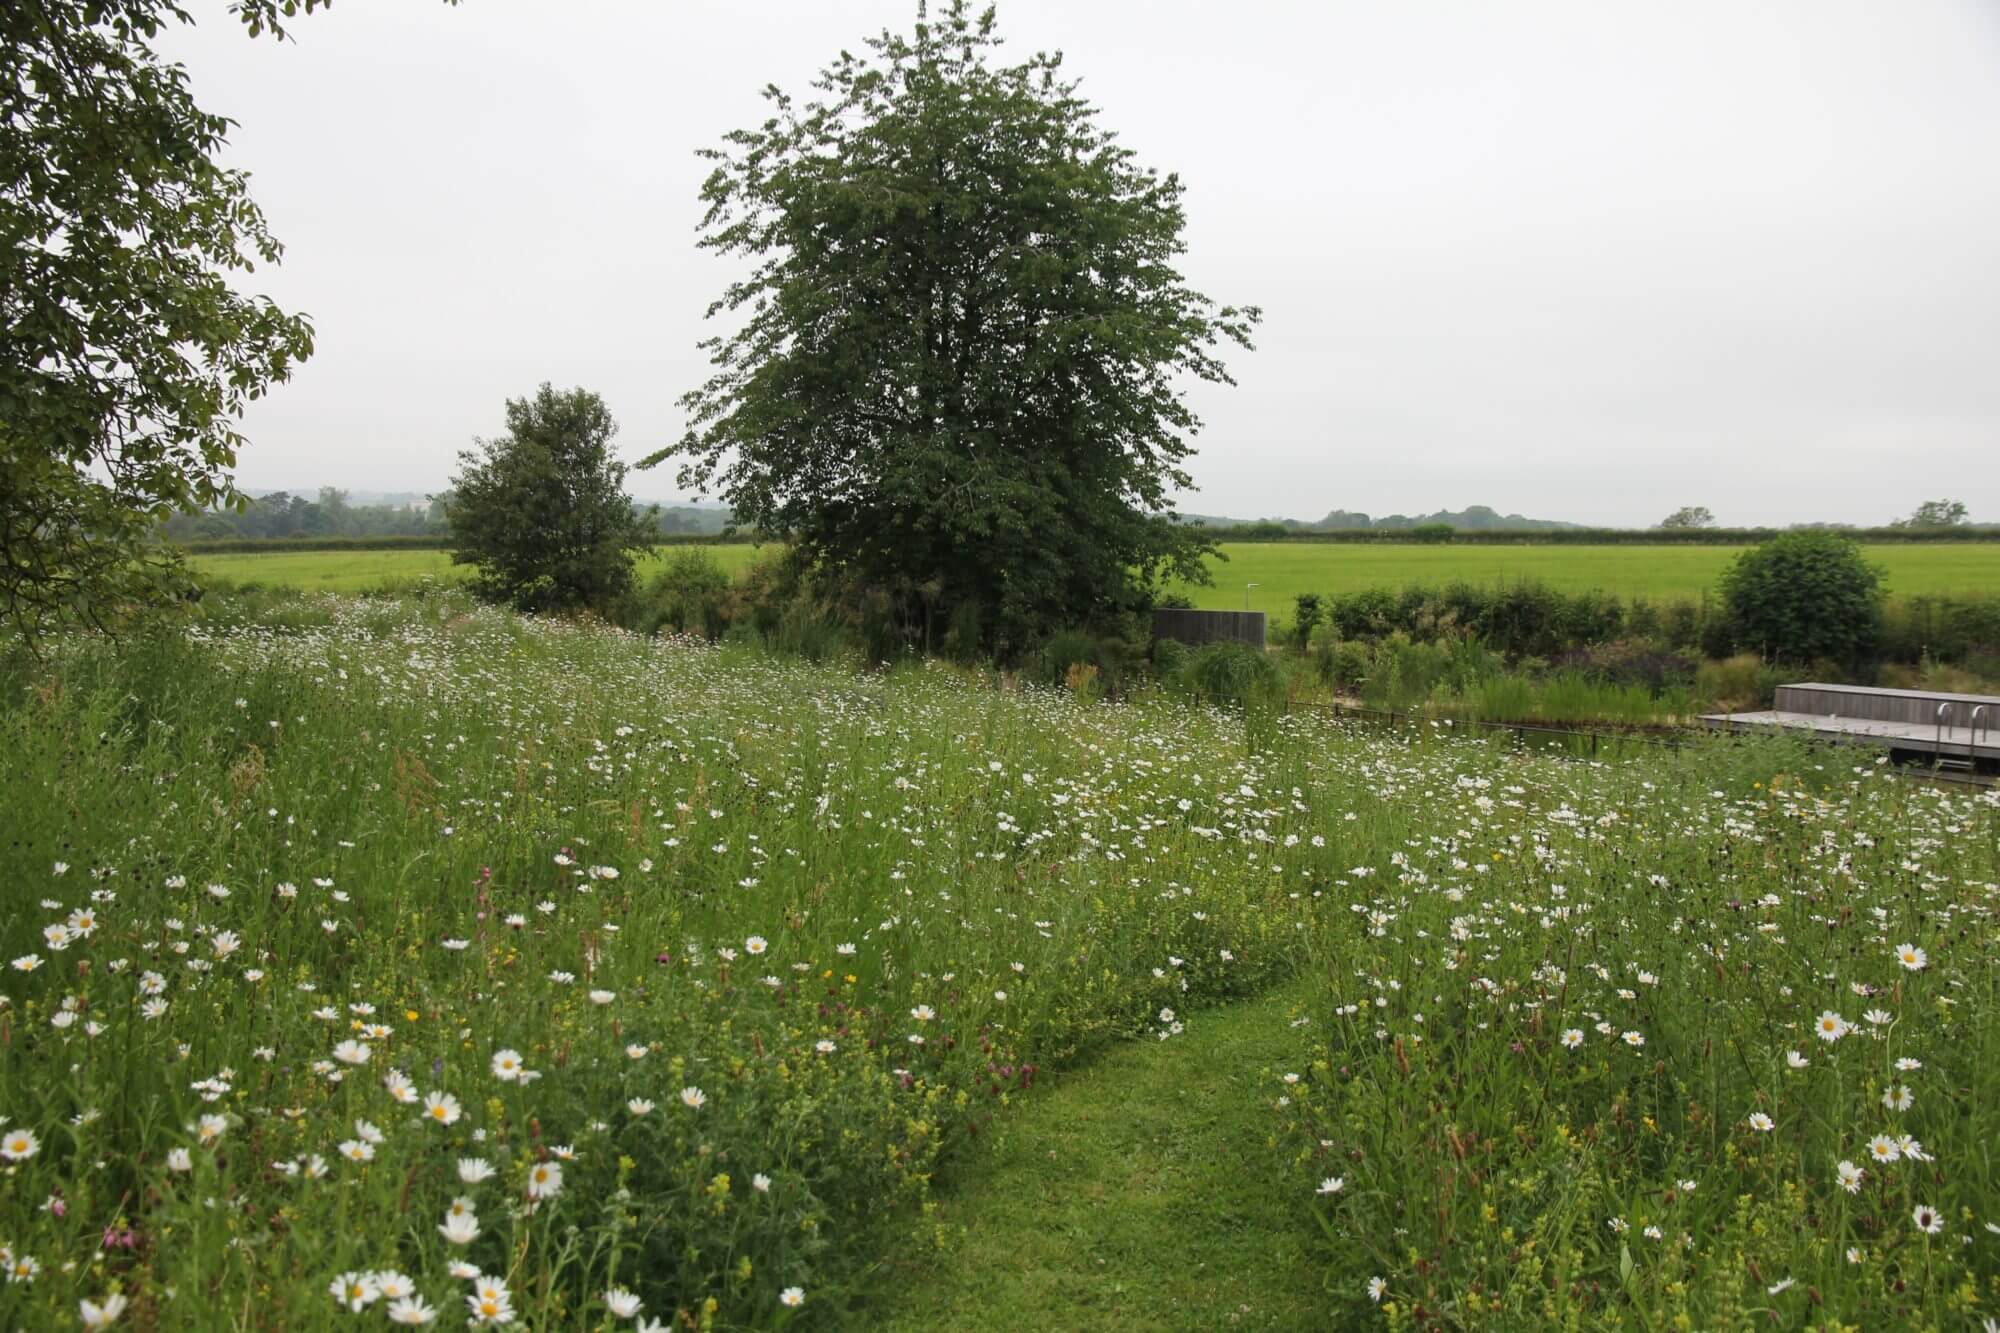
(1137, 1192)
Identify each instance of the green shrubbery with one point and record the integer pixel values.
(1805, 596)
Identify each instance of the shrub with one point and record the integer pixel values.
(1737, 684)
(1804, 595)
(1342, 664)
(1432, 532)
(689, 595)
(1306, 617)
(1231, 674)
(1066, 649)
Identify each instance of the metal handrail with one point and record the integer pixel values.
(1937, 741)
(1972, 735)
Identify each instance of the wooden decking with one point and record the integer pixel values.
(1905, 720)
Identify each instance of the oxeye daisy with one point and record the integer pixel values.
(507, 1065)
(693, 1098)
(545, 1180)
(1762, 1123)
(1911, 957)
(18, 1145)
(412, 1311)
(490, 1302)
(1899, 1097)
(1927, 1219)
(356, 1291)
(1831, 1027)
(442, 1108)
(1850, 1176)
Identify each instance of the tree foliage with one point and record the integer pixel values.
(541, 511)
(1935, 514)
(1688, 516)
(1805, 596)
(127, 353)
(963, 341)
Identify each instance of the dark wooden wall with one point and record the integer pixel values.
(1198, 627)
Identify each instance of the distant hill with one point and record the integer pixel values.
(1472, 518)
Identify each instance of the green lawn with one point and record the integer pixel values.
(1139, 1192)
(1279, 571)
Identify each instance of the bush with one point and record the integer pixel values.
(1740, 683)
(1432, 532)
(689, 595)
(1064, 650)
(1306, 617)
(1343, 664)
(1941, 629)
(1231, 674)
(1804, 595)
(1630, 662)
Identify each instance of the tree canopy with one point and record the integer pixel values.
(1805, 596)
(1688, 516)
(958, 375)
(541, 511)
(127, 353)
(1935, 514)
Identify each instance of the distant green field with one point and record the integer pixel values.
(1661, 573)
(359, 571)
(1278, 571)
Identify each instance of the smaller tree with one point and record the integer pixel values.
(1306, 617)
(1688, 516)
(1935, 514)
(542, 512)
(1804, 596)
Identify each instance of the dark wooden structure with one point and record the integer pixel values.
(1198, 627)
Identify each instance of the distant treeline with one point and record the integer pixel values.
(1439, 533)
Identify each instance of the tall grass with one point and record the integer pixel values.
(775, 939)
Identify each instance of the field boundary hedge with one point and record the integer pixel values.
(1253, 534)
(1258, 532)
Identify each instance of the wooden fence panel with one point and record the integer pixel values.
(1199, 627)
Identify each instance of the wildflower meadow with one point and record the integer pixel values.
(399, 962)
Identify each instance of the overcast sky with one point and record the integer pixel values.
(1571, 258)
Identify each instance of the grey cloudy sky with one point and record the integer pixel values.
(1571, 258)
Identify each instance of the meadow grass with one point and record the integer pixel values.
(413, 957)
(1280, 570)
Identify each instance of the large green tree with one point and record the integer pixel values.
(541, 511)
(127, 351)
(959, 369)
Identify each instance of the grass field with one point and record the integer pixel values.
(379, 960)
(360, 571)
(1661, 573)
(1280, 570)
